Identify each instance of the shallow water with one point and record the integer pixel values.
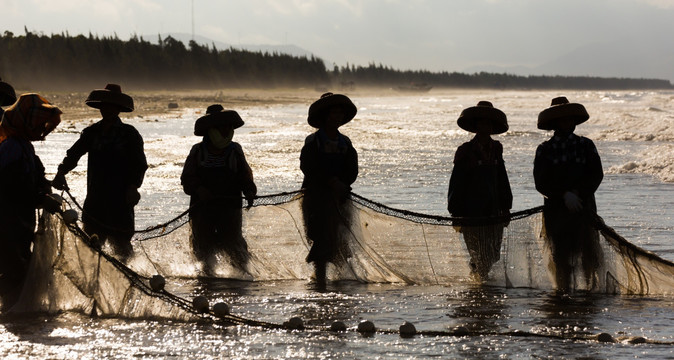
(406, 145)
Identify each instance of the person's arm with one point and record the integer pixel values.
(594, 172)
(245, 174)
(189, 178)
(73, 155)
(457, 184)
(138, 161)
(543, 175)
(350, 173)
(505, 194)
(309, 163)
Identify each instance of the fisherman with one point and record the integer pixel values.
(23, 186)
(479, 186)
(115, 170)
(330, 165)
(568, 171)
(215, 175)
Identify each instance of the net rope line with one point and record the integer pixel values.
(428, 254)
(285, 197)
(141, 283)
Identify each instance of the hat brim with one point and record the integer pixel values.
(548, 119)
(318, 111)
(469, 116)
(7, 94)
(221, 118)
(98, 97)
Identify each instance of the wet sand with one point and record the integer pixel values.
(156, 103)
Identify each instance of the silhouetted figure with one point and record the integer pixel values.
(479, 186)
(330, 165)
(568, 171)
(215, 175)
(7, 95)
(115, 170)
(23, 186)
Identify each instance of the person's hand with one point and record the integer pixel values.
(573, 203)
(132, 196)
(59, 182)
(457, 228)
(52, 203)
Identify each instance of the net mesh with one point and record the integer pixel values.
(387, 245)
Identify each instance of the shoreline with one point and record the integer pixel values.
(156, 103)
(150, 103)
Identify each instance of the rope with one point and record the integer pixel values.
(442, 220)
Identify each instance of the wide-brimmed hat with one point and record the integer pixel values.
(31, 117)
(483, 111)
(217, 116)
(560, 107)
(112, 94)
(7, 94)
(318, 111)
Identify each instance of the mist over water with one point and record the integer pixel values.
(406, 145)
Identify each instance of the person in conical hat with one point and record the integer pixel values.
(115, 170)
(567, 172)
(23, 186)
(215, 176)
(479, 187)
(329, 163)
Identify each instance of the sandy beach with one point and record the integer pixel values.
(156, 103)
(150, 103)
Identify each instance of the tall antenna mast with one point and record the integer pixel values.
(192, 20)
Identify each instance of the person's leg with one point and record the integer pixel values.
(202, 238)
(14, 260)
(121, 245)
(320, 273)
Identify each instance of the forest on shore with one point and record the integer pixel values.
(64, 62)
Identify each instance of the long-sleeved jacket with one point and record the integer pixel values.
(116, 163)
(479, 184)
(567, 163)
(322, 159)
(226, 175)
(22, 183)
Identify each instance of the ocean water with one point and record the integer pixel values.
(406, 144)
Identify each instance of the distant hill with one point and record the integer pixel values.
(619, 58)
(292, 50)
(608, 59)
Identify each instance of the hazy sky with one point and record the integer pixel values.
(452, 35)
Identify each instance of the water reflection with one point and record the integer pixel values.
(569, 315)
(481, 309)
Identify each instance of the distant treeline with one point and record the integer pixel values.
(382, 75)
(61, 61)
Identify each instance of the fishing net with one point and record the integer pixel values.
(384, 245)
